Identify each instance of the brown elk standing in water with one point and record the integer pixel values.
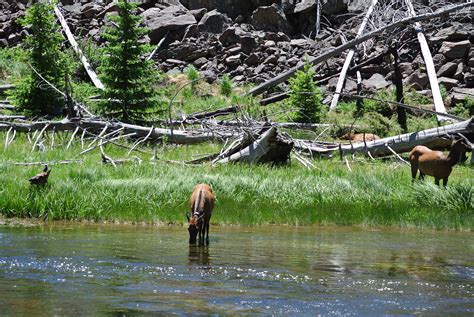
(202, 203)
(436, 163)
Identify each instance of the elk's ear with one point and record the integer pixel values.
(188, 215)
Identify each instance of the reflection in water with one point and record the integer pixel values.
(114, 270)
(199, 255)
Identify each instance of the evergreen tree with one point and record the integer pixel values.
(126, 75)
(33, 96)
(305, 96)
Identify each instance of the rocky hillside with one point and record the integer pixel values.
(259, 39)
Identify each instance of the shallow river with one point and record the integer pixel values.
(97, 270)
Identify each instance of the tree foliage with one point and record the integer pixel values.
(305, 96)
(127, 76)
(33, 96)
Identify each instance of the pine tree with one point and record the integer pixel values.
(126, 75)
(33, 96)
(306, 97)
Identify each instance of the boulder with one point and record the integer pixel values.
(270, 18)
(448, 83)
(453, 50)
(160, 21)
(455, 32)
(375, 82)
(90, 10)
(447, 70)
(214, 22)
(247, 44)
(416, 80)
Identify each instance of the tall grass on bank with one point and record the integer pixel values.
(372, 194)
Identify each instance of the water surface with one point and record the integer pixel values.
(95, 270)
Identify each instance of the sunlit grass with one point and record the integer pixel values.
(373, 194)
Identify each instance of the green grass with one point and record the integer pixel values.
(373, 194)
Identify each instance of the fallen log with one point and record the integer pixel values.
(172, 136)
(430, 69)
(432, 138)
(87, 66)
(270, 147)
(338, 50)
(213, 113)
(350, 55)
(4, 88)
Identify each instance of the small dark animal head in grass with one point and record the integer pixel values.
(41, 178)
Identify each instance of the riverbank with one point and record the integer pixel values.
(371, 194)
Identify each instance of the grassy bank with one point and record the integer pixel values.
(372, 194)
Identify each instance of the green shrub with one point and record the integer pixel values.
(306, 97)
(225, 85)
(32, 95)
(380, 106)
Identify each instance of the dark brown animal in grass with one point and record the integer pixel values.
(201, 202)
(359, 137)
(436, 163)
(41, 178)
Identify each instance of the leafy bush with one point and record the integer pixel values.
(378, 124)
(306, 97)
(464, 109)
(380, 106)
(225, 85)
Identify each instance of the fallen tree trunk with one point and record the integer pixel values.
(402, 143)
(4, 88)
(350, 55)
(172, 136)
(338, 50)
(270, 147)
(87, 66)
(430, 68)
(213, 113)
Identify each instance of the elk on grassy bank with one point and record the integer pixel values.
(436, 163)
(201, 202)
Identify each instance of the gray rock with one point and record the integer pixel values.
(160, 21)
(270, 18)
(198, 13)
(233, 61)
(201, 61)
(439, 60)
(272, 59)
(230, 36)
(459, 95)
(252, 60)
(456, 32)
(90, 10)
(459, 73)
(405, 69)
(469, 79)
(447, 70)
(175, 61)
(247, 44)
(470, 63)
(453, 50)
(214, 22)
(375, 82)
(416, 80)
(448, 83)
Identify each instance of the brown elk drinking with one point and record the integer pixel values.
(436, 163)
(202, 203)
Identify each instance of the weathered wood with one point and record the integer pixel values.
(338, 50)
(213, 113)
(87, 66)
(350, 55)
(268, 148)
(6, 87)
(430, 69)
(403, 143)
(179, 137)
